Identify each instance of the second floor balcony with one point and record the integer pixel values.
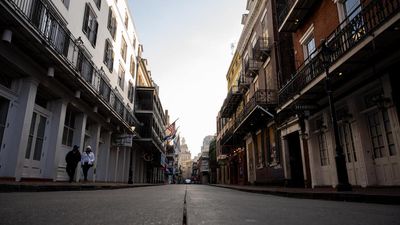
(232, 100)
(292, 12)
(42, 35)
(251, 67)
(244, 83)
(361, 40)
(255, 111)
(262, 49)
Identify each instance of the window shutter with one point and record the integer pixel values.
(95, 26)
(86, 20)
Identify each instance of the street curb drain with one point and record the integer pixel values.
(184, 219)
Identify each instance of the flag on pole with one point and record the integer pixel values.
(170, 131)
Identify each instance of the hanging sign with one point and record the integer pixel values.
(122, 140)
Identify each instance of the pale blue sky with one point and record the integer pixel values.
(188, 47)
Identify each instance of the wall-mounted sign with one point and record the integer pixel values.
(122, 140)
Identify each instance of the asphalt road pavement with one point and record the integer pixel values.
(165, 205)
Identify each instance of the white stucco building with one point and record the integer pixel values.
(67, 78)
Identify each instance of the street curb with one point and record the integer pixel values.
(332, 196)
(7, 188)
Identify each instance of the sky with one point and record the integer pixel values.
(188, 47)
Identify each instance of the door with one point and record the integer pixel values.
(384, 148)
(295, 160)
(250, 163)
(36, 142)
(347, 143)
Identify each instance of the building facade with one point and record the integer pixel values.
(68, 78)
(185, 161)
(339, 110)
(247, 135)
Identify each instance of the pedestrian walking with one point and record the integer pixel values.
(72, 158)
(87, 161)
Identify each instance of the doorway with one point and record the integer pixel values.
(34, 153)
(295, 160)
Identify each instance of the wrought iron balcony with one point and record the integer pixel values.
(227, 134)
(255, 110)
(244, 83)
(292, 12)
(342, 40)
(262, 49)
(231, 102)
(251, 67)
(144, 100)
(45, 24)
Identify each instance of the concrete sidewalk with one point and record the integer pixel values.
(382, 195)
(27, 186)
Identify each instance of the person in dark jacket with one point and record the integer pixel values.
(72, 158)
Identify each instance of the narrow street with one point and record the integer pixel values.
(165, 205)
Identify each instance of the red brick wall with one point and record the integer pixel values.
(325, 19)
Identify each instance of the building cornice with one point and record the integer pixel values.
(248, 27)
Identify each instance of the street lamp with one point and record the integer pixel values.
(130, 174)
(343, 179)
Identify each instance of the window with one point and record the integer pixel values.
(356, 24)
(108, 55)
(134, 41)
(309, 48)
(320, 128)
(84, 67)
(112, 23)
(4, 103)
(260, 147)
(133, 66)
(69, 127)
(130, 92)
(97, 3)
(121, 77)
(381, 134)
(350, 6)
(124, 47)
(323, 149)
(90, 24)
(66, 3)
(346, 141)
(126, 19)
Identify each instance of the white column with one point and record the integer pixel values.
(94, 143)
(18, 141)
(107, 147)
(79, 134)
(58, 109)
(285, 158)
(133, 151)
(116, 165)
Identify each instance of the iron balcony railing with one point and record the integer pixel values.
(244, 82)
(344, 38)
(227, 133)
(46, 23)
(231, 102)
(263, 98)
(251, 67)
(262, 49)
(286, 6)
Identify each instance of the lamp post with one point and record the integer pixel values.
(130, 174)
(343, 179)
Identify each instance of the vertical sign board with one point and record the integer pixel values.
(122, 140)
